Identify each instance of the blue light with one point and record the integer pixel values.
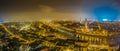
(105, 19)
(1, 20)
(106, 13)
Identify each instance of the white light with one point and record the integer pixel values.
(105, 19)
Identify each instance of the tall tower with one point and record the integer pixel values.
(99, 25)
(80, 21)
(86, 25)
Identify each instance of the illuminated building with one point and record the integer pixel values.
(95, 40)
(61, 38)
(98, 40)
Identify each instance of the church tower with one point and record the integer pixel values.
(86, 25)
(99, 25)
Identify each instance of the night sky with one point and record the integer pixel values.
(27, 10)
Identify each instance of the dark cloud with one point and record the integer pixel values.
(74, 9)
(33, 5)
(58, 5)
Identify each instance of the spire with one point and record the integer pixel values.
(80, 21)
(86, 25)
(99, 25)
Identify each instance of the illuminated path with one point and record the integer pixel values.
(71, 32)
(60, 29)
(13, 35)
